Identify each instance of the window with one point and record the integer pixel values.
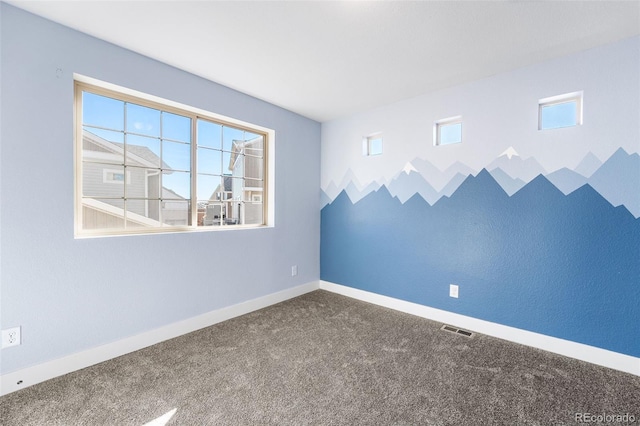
(145, 166)
(114, 176)
(560, 111)
(447, 131)
(372, 145)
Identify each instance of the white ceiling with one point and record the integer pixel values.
(326, 60)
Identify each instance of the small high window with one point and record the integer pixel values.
(447, 131)
(372, 145)
(560, 111)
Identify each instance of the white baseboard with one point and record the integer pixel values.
(29, 376)
(587, 353)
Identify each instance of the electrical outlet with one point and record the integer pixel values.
(453, 290)
(11, 337)
(294, 270)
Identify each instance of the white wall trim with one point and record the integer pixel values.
(39, 373)
(580, 351)
(48, 370)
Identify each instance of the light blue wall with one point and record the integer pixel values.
(547, 240)
(69, 295)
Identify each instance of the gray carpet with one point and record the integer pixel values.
(324, 359)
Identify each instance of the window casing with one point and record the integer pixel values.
(143, 166)
(560, 111)
(447, 131)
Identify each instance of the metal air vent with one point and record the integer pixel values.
(455, 330)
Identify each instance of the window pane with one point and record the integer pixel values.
(253, 168)
(450, 133)
(208, 187)
(176, 156)
(255, 148)
(102, 214)
(237, 165)
(559, 115)
(213, 214)
(143, 120)
(226, 160)
(209, 134)
(253, 213)
(231, 134)
(135, 177)
(237, 188)
(102, 111)
(253, 183)
(177, 182)
(175, 213)
(140, 212)
(233, 213)
(209, 161)
(106, 135)
(143, 182)
(102, 180)
(95, 148)
(176, 127)
(143, 151)
(375, 146)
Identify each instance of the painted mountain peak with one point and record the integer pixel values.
(588, 165)
(408, 168)
(617, 179)
(510, 152)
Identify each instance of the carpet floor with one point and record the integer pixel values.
(325, 359)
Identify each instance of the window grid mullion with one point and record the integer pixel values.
(124, 160)
(193, 208)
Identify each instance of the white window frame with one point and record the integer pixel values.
(367, 143)
(437, 129)
(84, 83)
(576, 97)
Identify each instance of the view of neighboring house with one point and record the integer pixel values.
(112, 192)
(240, 201)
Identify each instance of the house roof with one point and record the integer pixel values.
(238, 146)
(142, 155)
(169, 194)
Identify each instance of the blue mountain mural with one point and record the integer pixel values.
(588, 165)
(618, 180)
(566, 180)
(566, 266)
(407, 184)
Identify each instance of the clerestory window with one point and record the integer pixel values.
(447, 131)
(560, 111)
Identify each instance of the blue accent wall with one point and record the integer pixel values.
(564, 266)
(540, 229)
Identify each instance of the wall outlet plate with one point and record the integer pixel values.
(11, 337)
(294, 270)
(453, 290)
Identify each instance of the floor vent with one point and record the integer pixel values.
(452, 329)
